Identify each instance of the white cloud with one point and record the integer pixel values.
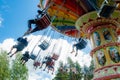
(7, 44)
(33, 76)
(47, 79)
(82, 58)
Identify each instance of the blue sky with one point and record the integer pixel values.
(14, 15)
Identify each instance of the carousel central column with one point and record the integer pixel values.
(104, 40)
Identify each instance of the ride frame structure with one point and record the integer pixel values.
(102, 33)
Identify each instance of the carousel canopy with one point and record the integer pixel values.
(65, 13)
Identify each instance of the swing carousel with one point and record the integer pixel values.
(96, 20)
(43, 45)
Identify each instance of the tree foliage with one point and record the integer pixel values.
(12, 70)
(61, 74)
(69, 71)
(4, 67)
(73, 71)
(18, 70)
(88, 71)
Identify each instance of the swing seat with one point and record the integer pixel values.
(106, 10)
(55, 56)
(33, 57)
(81, 44)
(43, 22)
(26, 56)
(52, 63)
(44, 45)
(36, 64)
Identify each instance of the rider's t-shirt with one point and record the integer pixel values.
(22, 43)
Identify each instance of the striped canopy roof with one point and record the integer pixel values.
(65, 13)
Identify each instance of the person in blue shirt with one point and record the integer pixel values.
(22, 43)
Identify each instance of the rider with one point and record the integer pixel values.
(80, 45)
(36, 64)
(22, 43)
(51, 66)
(34, 21)
(47, 60)
(25, 57)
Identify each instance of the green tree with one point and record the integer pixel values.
(61, 73)
(69, 71)
(88, 71)
(12, 70)
(91, 70)
(18, 70)
(75, 70)
(79, 74)
(70, 62)
(4, 66)
(71, 66)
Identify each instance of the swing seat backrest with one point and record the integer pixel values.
(44, 45)
(48, 63)
(52, 63)
(81, 44)
(55, 56)
(33, 57)
(106, 10)
(26, 54)
(36, 63)
(43, 22)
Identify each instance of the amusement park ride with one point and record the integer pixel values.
(96, 20)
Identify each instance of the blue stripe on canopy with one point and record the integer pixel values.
(64, 28)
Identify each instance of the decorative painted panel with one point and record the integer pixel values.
(114, 54)
(107, 35)
(96, 37)
(101, 57)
